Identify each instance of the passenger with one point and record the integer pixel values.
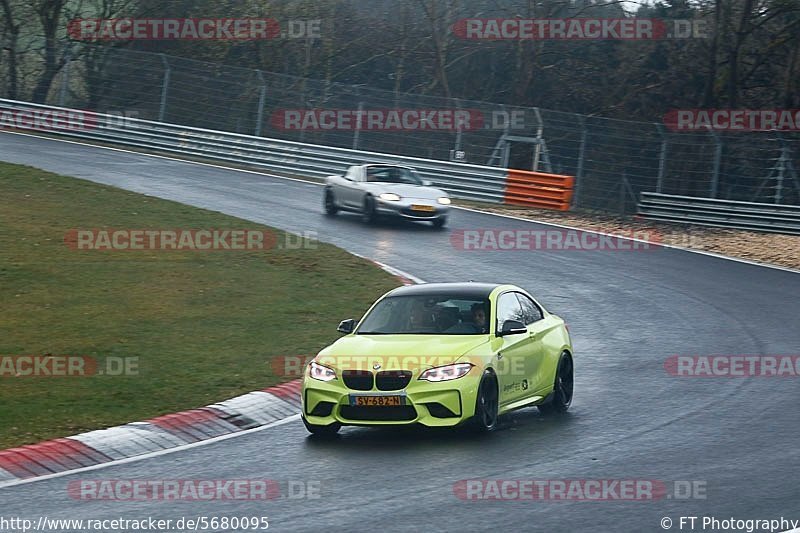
(479, 324)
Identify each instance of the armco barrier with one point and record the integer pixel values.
(472, 182)
(537, 189)
(774, 218)
(460, 180)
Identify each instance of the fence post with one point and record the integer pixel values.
(62, 96)
(790, 167)
(581, 158)
(537, 151)
(622, 193)
(781, 170)
(357, 132)
(717, 162)
(459, 130)
(262, 95)
(164, 88)
(662, 161)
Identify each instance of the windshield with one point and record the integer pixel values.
(427, 314)
(391, 174)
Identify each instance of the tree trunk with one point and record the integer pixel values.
(11, 41)
(733, 56)
(49, 12)
(710, 93)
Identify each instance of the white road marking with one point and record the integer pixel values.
(151, 454)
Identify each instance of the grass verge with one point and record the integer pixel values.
(203, 325)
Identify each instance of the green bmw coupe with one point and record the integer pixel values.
(441, 354)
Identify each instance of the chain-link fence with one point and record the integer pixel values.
(613, 160)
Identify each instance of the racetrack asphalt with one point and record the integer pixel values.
(628, 311)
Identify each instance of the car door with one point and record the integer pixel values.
(535, 364)
(516, 353)
(349, 192)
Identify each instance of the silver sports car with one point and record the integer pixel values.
(375, 190)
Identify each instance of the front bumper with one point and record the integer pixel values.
(409, 208)
(443, 404)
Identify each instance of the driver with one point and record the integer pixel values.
(479, 317)
(420, 319)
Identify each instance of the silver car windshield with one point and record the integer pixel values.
(426, 314)
(391, 174)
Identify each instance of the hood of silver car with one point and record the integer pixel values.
(405, 190)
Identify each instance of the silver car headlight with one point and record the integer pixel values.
(390, 197)
(444, 200)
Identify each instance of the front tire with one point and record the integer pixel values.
(562, 388)
(368, 214)
(439, 223)
(323, 431)
(486, 404)
(330, 203)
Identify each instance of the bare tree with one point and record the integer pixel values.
(10, 45)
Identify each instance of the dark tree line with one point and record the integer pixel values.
(751, 57)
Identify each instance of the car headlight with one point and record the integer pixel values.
(389, 197)
(320, 372)
(446, 373)
(444, 200)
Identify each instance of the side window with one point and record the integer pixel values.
(530, 310)
(508, 308)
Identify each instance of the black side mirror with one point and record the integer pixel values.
(347, 326)
(512, 327)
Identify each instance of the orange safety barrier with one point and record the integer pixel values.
(539, 189)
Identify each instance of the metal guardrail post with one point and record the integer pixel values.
(162, 109)
(262, 96)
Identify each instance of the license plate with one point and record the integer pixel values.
(376, 401)
(428, 208)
